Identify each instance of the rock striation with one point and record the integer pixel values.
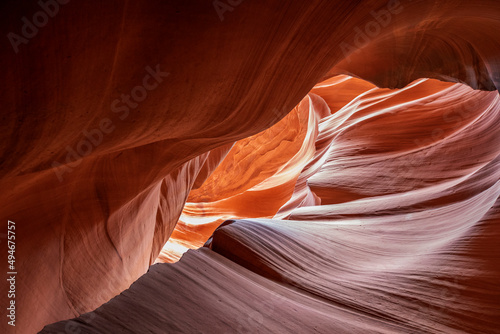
(374, 209)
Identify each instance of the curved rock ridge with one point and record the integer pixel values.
(255, 179)
(424, 39)
(112, 112)
(391, 228)
(380, 142)
(260, 172)
(408, 143)
(274, 277)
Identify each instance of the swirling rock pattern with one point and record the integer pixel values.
(390, 227)
(384, 201)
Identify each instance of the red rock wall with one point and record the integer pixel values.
(392, 227)
(141, 91)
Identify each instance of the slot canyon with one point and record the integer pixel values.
(237, 166)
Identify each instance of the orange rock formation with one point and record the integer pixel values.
(384, 202)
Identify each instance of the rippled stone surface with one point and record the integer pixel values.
(390, 227)
(384, 202)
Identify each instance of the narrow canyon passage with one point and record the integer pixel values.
(383, 207)
(238, 166)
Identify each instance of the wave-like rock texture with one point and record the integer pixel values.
(261, 173)
(391, 228)
(112, 112)
(254, 180)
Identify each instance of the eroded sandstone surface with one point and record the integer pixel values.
(374, 197)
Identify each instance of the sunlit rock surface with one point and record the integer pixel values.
(391, 226)
(384, 202)
(255, 179)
